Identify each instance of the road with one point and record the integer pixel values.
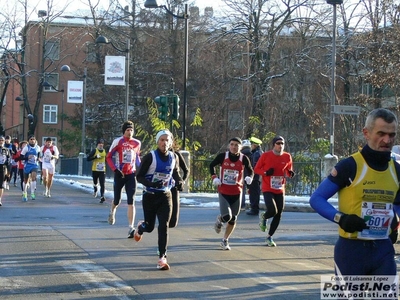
(63, 248)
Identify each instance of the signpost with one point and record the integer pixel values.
(346, 110)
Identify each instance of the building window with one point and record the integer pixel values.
(52, 79)
(50, 114)
(52, 49)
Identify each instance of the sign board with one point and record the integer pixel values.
(346, 109)
(75, 91)
(114, 70)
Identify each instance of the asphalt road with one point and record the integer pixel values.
(63, 248)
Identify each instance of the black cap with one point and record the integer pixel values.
(100, 141)
(126, 125)
(8, 137)
(48, 139)
(277, 138)
(236, 139)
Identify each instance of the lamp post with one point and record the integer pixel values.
(333, 79)
(66, 68)
(18, 98)
(185, 16)
(103, 40)
(47, 84)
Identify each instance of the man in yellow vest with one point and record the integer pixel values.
(98, 156)
(367, 184)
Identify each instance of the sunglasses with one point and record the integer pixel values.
(279, 143)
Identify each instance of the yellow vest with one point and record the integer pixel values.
(370, 196)
(99, 164)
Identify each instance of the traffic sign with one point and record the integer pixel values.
(346, 109)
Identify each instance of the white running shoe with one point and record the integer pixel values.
(270, 242)
(218, 224)
(225, 245)
(162, 264)
(111, 218)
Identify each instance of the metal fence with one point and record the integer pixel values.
(70, 166)
(308, 175)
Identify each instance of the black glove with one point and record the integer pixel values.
(118, 173)
(394, 235)
(179, 186)
(157, 184)
(352, 223)
(291, 174)
(269, 172)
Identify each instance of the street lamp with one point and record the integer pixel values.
(30, 117)
(47, 84)
(20, 99)
(333, 80)
(66, 68)
(185, 16)
(103, 40)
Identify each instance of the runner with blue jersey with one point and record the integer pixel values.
(30, 154)
(158, 172)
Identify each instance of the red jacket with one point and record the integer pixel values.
(281, 164)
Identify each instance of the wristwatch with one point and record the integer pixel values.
(337, 217)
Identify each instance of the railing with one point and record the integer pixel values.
(308, 175)
(70, 166)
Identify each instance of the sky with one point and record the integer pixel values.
(76, 4)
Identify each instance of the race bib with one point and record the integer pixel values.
(47, 158)
(32, 159)
(378, 217)
(100, 166)
(3, 159)
(277, 182)
(161, 176)
(127, 156)
(230, 177)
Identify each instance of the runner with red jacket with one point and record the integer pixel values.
(123, 158)
(274, 166)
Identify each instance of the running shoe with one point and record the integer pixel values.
(1, 204)
(270, 242)
(48, 195)
(33, 196)
(7, 186)
(102, 200)
(111, 218)
(131, 233)
(138, 236)
(225, 245)
(218, 224)
(162, 263)
(263, 222)
(95, 192)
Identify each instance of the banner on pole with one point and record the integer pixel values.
(114, 73)
(75, 91)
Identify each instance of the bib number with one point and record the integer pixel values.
(230, 177)
(378, 217)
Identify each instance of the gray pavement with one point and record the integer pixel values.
(63, 248)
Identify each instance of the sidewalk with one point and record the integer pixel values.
(293, 203)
